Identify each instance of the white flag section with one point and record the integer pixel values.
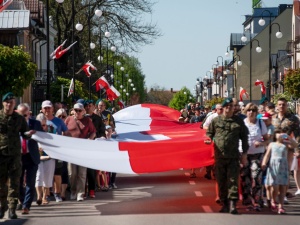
(150, 139)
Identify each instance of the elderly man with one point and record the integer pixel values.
(226, 130)
(30, 160)
(12, 125)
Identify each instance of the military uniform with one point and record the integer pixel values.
(11, 126)
(226, 133)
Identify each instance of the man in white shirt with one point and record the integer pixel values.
(219, 111)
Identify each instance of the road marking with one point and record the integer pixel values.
(207, 209)
(198, 193)
(192, 182)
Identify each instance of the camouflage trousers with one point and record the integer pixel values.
(227, 176)
(10, 172)
(251, 179)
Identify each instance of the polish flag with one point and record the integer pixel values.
(121, 104)
(112, 93)
(71, 88)
(262, 86)
(86, 68)
(102, 83)
(4, 4)
(243, 94)
(59, 52)
(150, 139)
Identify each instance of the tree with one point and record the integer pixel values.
(16, 70)
(181, 99)
(214, 101)
(292, 83)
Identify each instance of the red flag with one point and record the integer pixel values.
(71, 88)
(102, 83)
(121, 104)
(58, 52)
(112, 93)
(262, 86)
(86, 68)
(243, 94)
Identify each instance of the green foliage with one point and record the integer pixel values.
(16, 70)
(214, 101)
(81, 91)
(292, 83)
(181, 99)
(285, 95)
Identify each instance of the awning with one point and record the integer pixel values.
(14, 19)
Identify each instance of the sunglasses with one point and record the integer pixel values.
(253, 110)
(61, 116)
(77, 110)
(220, 109)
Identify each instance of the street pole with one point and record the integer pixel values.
(48, 51)
(73, 48)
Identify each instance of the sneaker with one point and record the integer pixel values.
(285, 201)
(92, 194)
(73, 196)
(80, 198)
(297, 192)
(281, 211)
(57, 197)
(114, 186)
(273, 207)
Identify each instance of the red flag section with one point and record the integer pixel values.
(112, 93)
(243, 94)
(102, 83)
(4, 4)
(262, 86)
(86, 68)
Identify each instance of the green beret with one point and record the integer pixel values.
(213, 107)
(99, 100)
(226, 102)
(8, 96)
(263, 99)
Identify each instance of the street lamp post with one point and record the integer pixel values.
(222, 73)
(278, 34)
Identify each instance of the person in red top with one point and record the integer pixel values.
(79, 126)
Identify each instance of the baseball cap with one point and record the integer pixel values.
(81, 101)
(46, 103)
(78, 106)
(265, 116)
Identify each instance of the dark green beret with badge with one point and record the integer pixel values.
(226, 102)
(8, 96)
(263, 100)
(213, 107)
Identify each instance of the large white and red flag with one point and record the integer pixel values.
(102, 83)
(121, 104)
(243, 94)
(262, 86)
(4, 4)
(59, 52)
(150, 139)
(112, 93)
(71, 88)
(86, 68)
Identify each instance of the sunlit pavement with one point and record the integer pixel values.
(161, 198)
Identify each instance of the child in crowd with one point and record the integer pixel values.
(278, 171)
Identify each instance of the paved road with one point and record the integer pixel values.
(161, 198)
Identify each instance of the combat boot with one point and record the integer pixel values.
(12, 214)
(232, 208)
(2, 211)
(225, 208)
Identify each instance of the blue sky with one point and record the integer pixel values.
(195, 33)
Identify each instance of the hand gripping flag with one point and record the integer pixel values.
(243, 94)
(59, 52)
(71, 88)
(150, 139)
(262, 86)
(112, 93)
(86, 68)
(102, 83)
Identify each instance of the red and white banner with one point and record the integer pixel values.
(4, 4)
(262, 86)
(112, 93)
(121, 104)
(86, 68)
(150, 139)
(71, 88)
(102, 83)
(243, 94)
(59, 52)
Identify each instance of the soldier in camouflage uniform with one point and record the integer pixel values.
(226, 130)
(12, 125)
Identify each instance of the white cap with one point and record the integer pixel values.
(78, 106)
(46, 103)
